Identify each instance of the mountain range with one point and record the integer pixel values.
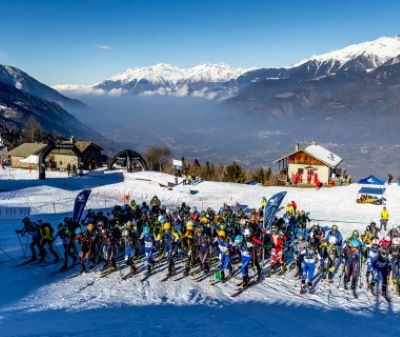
(221, 81)
(22, 97)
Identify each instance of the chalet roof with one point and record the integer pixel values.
(81, 145)
(27, 149)
(318, 152)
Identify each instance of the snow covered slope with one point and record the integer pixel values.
(36, 302)
(372, 53)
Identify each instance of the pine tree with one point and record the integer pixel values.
(259, 176)
(234, 173)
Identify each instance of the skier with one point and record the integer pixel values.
(224, 254)
(147, 238)
(91, 234)
(333, 241)
(352, 255)
(167, 241)
(381, 267)
(188, 239)
(373, 253)
(300, 245)
(108, 249)
(46, 238)
(277, 242)
(315, 237)
(85, 246)
(248, 255)
(394, 258)
(31, 229)
(128, 242)
(202, 241)
(310, 258)
(65, 237)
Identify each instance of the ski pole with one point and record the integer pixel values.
(341, 275)
(22, 247)
(5, 253)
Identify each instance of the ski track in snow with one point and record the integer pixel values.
(34, 303)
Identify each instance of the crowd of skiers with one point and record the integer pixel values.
(217, 241)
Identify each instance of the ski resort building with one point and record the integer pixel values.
(312, 164)
(27, 155)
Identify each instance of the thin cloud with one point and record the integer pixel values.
(103, 46)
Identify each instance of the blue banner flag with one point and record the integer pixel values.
(80, 203)
(272, 207)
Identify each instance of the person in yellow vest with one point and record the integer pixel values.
(289, 209)
(384, 217)
(263, 202)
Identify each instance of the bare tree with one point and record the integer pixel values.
(157, 158)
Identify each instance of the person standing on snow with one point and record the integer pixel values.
(373, 253)
(147, 238)
(385, 214)
(32, 230)
(277, 242)
(224, 254)
(352, 255)
(64, 235)
(381, 267)
(333, 242)
(310, 258)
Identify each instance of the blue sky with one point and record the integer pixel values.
(85, 41)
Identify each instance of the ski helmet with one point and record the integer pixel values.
(247, 232)
(395, 241)
(372, 224)
(375, 243)
(383, 252)
(78, 231)
(355, 243)
(146, 230)
(90, 227)
(189, 226)
(221, 233)
(124, 232)
(355, 234)
(334, 229)
(238, 239)
(167, 226)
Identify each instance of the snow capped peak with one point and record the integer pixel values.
(167, 73)
(377, 52)
(12, 75)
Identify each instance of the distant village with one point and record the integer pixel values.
(311, 165)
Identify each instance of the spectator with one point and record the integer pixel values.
(384, 218)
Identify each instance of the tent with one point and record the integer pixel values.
(372, 180)
(371, 195)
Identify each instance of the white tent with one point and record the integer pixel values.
(32, 159)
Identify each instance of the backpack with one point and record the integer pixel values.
(47, 225)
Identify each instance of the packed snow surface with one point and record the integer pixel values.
(36, 302)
